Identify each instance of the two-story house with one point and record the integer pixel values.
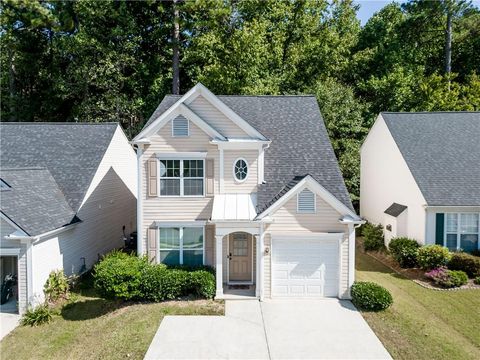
(249, 185)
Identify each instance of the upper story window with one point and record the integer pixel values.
(306, 202)
(462, 231)
(182, 177)
(240, 170)
(180, 127)
(4, 185)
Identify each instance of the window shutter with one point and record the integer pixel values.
(180, 126)
(306, 202)
(439, 228)
(209, 245)
(210, 176)
(152, 244)
(152, 179)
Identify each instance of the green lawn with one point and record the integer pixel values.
(423, 323)
(94, 328)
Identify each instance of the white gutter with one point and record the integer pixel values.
(139, 198)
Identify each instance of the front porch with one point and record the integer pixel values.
(238, 262)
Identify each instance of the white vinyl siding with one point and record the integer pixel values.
(231, 184)
(180, 127)
(306, 202)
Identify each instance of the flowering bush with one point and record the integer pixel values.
(447, 278)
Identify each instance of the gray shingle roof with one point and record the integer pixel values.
(71, 152)
(34, 201)
(300, 144)
(395, 209)
(442, 151)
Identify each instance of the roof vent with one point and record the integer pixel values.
(306, 201)
(180, 127)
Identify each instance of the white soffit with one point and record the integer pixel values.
(233, 207)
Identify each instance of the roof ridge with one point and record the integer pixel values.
(253, 96)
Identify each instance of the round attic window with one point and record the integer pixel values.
(240, 170)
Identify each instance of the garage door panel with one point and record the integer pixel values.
(305, 267)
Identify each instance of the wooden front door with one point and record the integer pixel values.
(240, 257)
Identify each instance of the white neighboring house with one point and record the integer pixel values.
(420, 177)
(68, 195)
(251, 186)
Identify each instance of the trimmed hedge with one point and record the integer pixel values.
(128, 277)
(370, 296)
(465, 262)
(405, 251)
(372, 237)
(433, 256)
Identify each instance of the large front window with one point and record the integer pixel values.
(462, 231)
(181, 245)
(181, 177)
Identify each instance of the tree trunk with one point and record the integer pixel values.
(176, 44)
(448, 44)
(11, 85)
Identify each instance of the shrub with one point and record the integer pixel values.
(370, 296)
(189, 268)
(128, 277)
(203, 284)
(447, 278)
(465, 262)
(37, 316)
(119, 275)
(405, 251)
(477, 280)
(373, 237)
(433, 256)
(56, 286)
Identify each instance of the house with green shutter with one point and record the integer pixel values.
(420, 177)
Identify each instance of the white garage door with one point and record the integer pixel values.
(305, 266)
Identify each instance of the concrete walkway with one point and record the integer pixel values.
(8, 322)
(277, 329)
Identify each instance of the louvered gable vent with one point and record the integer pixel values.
(180, 126)
(306, 201)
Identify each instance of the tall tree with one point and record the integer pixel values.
(176, 49)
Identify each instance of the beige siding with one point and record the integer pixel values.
(267, 277)
(216, 119)
(177, 208)
(344, 258)
(250, 184)
(286, 219)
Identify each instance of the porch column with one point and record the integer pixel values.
(258, 281)
(219, 265)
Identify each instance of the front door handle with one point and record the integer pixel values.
(229, 257)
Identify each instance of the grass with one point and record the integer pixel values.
(422, 323)
(95, 328)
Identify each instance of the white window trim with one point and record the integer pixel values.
(314, 202)
(180, 234)
(181, 178)
(233, 170)
(181, 136)
(458, 232)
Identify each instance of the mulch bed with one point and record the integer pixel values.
(415, 274)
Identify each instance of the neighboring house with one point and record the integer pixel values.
(420, 177)
(67, 192)
(251, 186)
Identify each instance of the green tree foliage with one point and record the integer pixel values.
(89, 60)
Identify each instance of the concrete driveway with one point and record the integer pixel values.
(276, 329)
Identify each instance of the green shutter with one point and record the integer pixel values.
(439, 224)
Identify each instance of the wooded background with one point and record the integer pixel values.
(97, 61)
